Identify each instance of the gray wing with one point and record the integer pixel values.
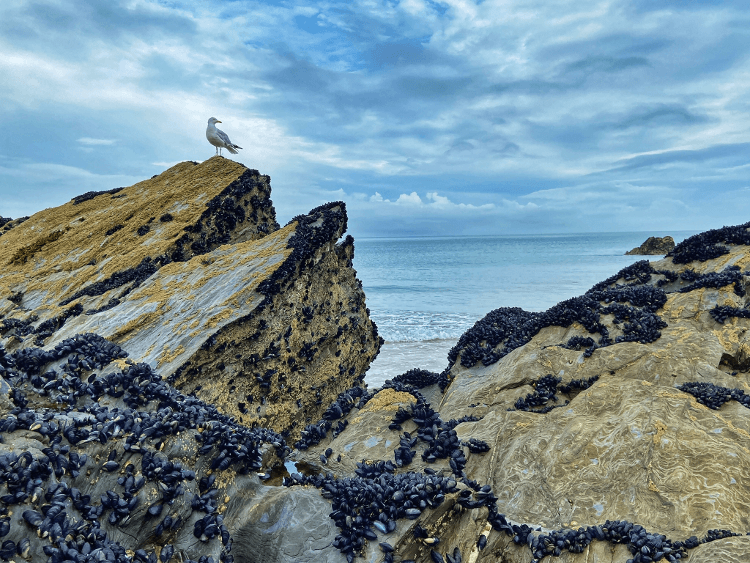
(223, 137)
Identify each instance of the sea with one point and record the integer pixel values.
(425, 292)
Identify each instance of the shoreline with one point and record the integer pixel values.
(397, 357)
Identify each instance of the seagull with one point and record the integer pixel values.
(218, 138)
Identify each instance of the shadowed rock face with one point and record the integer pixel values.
(654, 245)
(306, 341)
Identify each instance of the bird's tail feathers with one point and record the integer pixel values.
(232, 147)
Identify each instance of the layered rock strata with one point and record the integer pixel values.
(89, 254)
(268, 324)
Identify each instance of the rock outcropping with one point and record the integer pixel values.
(654, 246)
(613, 427)
(160, 343)
(190, 273)
(89, 254)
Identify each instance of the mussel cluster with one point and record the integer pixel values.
(128, 417)
(313, 230)
(730, 275)
(721, 313)
(713, 396)
(505, 329)
(376, 500)
(421, 378)
(546, 389)
(710, 244)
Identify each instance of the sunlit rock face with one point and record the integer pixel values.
(89, 254)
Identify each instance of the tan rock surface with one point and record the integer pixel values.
(52, 260)
(288, 357)
(727, 550)
(169, 316)
(268, 324)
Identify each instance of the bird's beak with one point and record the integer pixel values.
(217, 121)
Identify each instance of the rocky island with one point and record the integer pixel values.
(654, 246)
(182, 380)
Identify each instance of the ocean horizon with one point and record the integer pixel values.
(425, 292)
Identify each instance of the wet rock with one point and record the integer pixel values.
(285, 525)
(728, 550)
(5, 398)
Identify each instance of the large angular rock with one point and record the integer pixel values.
(88, 254)
(269, 331)
(139, 427)
(269, 327)
(654, 245)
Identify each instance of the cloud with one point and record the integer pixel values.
(736, 153)
(517, 116)
(432, 200)
(410, 199)
(592, 64)
(88, 141)
(38, 185)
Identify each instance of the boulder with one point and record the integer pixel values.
(654, 245)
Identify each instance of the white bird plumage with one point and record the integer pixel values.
(218, 138)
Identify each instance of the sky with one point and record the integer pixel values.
(427, 118)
